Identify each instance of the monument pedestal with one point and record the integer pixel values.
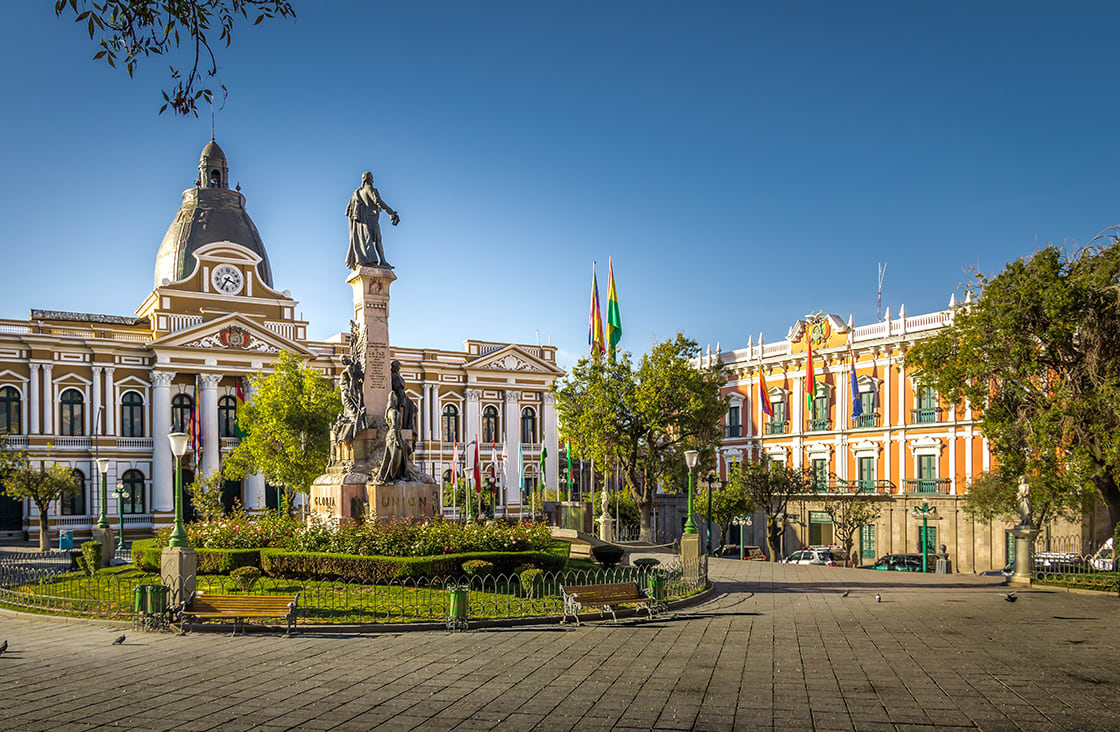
(606, 528)
(1024, 556)
(690, 558)
(108, 545)
(178, 569)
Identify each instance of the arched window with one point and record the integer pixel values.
(450, 423)
(227, 417)
(181, 407)
(132, 416)
(133, 481)
(528, 426)
(9, 411)
(490, 424)
(75, 503)
(72, 406)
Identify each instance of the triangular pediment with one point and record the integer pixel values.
(231, 333)
(512, 358)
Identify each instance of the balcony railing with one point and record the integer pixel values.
(143, 443)
(865, 420)
(926, 485)
(925, 415)
(838, 485)
(82, 442)
(733, 430)
(14, 442)
(818, 425)
(776, 427)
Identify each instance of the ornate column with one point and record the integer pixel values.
(33, 397)
(511, 423)
(551, 440)
(110, 402)
(98, 427)
(371, 311)
(255, 499)
(472, 420)
(163, 478)
(208, 413)
(48, 400)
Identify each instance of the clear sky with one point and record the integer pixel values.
(744, 163)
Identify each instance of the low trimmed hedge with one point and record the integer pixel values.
(374, 570)
(146, 552)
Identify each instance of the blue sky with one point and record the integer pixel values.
(744, 163)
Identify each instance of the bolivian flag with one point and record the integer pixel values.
(614, 316)
(595, 326)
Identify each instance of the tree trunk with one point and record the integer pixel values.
(774, 537)
(1110, 493)
(646, 533)
(44, 539)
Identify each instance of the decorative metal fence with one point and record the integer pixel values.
(324, 601)
(1068, 561)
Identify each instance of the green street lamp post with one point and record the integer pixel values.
(120, 494)
(742, 522)
(178, 442)
(690, 457)
(103, 470)
(925, 512)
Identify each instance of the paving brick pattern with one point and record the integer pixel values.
(776, 648)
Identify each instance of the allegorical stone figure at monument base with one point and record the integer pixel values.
(364, 210)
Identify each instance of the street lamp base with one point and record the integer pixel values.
(105, 536)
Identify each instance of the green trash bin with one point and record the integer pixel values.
(157, 598)
(657, 587)
(457, 608)
(140, 599)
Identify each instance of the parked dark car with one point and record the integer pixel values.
(899, 563)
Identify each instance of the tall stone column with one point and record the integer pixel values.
(48, 400)
(96, 404)
(255, 485)
(110, 403)
(33, 397)
(472, 421)
(371, 311)
(163, 479)
(208, 411)
(551, 440)
(511, 421)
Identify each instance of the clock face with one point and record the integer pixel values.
(227, 279)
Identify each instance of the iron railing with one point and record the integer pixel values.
(110, 595)
(866, 420)
(925, 415)
(1070, 562)
(818, 425)
(776, 427)
(926, 485)
(733, 430)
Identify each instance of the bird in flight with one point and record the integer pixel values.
(118, 640)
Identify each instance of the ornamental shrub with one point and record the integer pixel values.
(477, 568)
(91, 556)
(245, 577)
(532, 581)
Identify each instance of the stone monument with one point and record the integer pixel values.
(1025, 534)
(371, 473)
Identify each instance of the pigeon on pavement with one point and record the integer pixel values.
(3, 647)
(118, 640)
(878, 597)
(846, 593)
(1010, 597)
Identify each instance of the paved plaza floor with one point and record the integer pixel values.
(777, 647)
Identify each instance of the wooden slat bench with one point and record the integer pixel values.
(241, 607)
(605, 598)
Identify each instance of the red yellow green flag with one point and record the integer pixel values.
(595, 327)
(614, 315)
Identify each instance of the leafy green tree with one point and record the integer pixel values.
(128, 30)
(769, 486)
(642, 419)
(287, 426)
(727, 502)
(1038, 355)
(42, 484)
(850, 513)
(206, 496)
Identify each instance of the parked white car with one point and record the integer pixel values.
(812, 556)
(1102, 559)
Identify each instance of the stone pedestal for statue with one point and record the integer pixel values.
(351, 489)
(108, 545)
(1024, 556)
(690, 558)
(178, 569)
(606, 528)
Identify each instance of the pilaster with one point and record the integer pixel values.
(163, 482)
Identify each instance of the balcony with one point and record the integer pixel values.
(925, 415)
(926, 485)
(84, 443)
(135, 443)
(818, 425)
(865, 420)
(733, 430)
(776, 427)
(838, 485)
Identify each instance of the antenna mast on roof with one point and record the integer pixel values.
(211, 120)
(882, 271)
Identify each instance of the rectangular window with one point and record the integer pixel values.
(820, 407)
(867, 541)
(927, 467)
(820, 475)
(867, 401)
(930, 541)
(733, 424)
(927, 410)
(820, 528)
(779, 411)
(866, 474)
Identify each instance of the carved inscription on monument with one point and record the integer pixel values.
(378, 357)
